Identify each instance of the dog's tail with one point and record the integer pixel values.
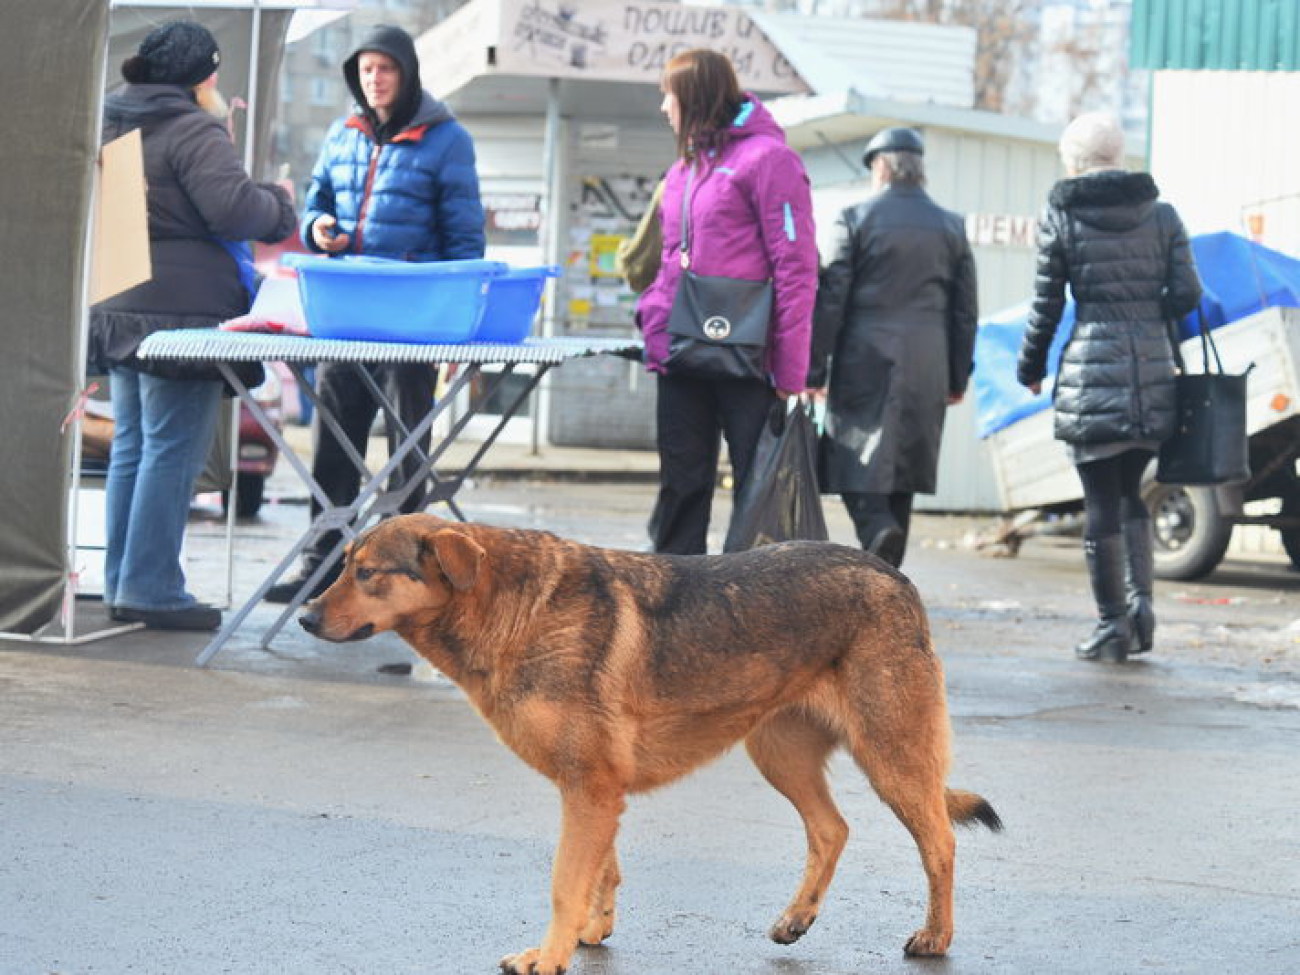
(966, 809)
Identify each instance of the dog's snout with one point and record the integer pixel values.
(310, 621)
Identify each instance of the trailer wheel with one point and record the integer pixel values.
(1191, 532)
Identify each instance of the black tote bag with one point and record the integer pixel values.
(1209, 444)
(780, 501)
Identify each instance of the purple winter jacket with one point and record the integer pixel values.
(751, 217)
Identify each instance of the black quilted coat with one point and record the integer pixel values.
(1127, 260)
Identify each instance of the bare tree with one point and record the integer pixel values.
(1088, 73)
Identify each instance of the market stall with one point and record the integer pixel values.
(61, 56)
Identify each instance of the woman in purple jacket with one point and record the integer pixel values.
(747, 199)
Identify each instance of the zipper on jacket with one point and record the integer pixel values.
(365, 195)
(1136, 415)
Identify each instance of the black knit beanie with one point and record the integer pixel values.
(179, 52)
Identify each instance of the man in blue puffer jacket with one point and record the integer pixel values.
(394, 179)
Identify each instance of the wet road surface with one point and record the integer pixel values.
(296, 810)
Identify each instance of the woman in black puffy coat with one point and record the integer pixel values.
(1126, 258)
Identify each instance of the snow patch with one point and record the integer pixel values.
(1284, 695)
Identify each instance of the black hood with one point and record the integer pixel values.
(1109, 200)
(398, 45)
(131, 106)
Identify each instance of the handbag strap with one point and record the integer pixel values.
(1207, 343)
(684, 249)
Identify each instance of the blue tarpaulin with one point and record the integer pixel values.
(1240, 278)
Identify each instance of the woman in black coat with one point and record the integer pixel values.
(202, 207)
(1127, 260)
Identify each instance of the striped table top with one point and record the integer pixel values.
(215, 345)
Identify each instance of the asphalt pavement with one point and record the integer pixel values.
(302, 809)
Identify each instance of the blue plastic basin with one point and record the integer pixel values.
(376, 300)
(513, 299)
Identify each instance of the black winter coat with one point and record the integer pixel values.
(198, 194)
(897, 311)
(1130, 269)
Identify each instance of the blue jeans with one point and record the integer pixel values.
(162, 434)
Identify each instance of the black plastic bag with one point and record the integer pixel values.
(781, 500)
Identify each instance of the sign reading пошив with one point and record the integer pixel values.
(620, 41)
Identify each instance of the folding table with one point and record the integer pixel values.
(222, 348)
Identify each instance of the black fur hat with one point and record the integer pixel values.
(179, 52)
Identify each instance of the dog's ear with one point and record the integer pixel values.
(458, 555)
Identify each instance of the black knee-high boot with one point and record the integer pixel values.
(1113, 634)
(1140, 547)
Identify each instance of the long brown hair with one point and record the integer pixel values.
(708, 97)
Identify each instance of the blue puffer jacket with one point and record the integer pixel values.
(412, 195)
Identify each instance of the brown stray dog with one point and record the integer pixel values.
(615, 672)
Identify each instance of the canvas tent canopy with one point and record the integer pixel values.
(59, 54)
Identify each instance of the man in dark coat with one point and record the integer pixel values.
(896, 314)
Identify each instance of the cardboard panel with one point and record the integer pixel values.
(120, 252)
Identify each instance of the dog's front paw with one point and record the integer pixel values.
(791, 928)
(529, 963)
(927, 943)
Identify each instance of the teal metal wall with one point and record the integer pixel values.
(1216, 35)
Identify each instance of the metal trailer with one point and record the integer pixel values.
(1193, 525)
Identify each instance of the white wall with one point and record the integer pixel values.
(1224, 144)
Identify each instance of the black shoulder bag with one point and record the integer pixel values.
(1209, 444)
(718, 327)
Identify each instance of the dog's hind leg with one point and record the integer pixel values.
(600, 920)
(929, 825)
(590, 821)
(791, 750)
(906, 762)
